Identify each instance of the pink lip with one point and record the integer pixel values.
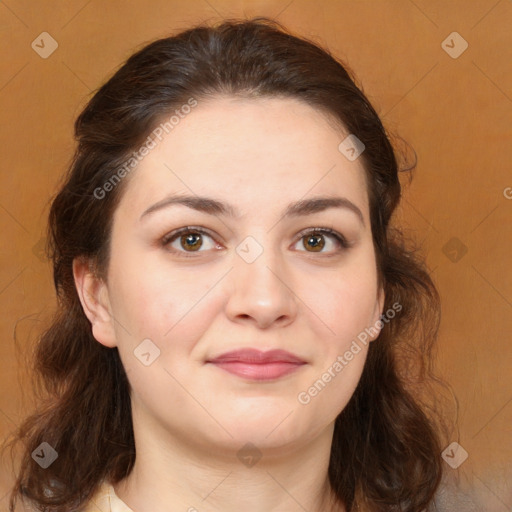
(256, 365)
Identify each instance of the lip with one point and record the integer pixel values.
(255, 356)
(256, 365)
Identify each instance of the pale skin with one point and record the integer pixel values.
(192, 418)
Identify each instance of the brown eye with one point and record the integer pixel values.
(188, 240)
(316, 242)
(191, 240)
(318, 239)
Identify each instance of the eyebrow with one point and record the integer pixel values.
(214, 207)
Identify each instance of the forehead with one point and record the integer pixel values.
(274, 149)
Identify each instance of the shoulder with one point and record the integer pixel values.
(100, 501)
(106, 500)
(454, 493)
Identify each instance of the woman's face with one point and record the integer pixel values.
(247, 275)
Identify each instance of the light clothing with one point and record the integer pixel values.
(449, 497)
(106, 500)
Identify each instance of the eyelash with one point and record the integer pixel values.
(170, 237)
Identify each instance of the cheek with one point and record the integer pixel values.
(344, 302)
(160, 304)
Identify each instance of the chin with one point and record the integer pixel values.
(271, 431)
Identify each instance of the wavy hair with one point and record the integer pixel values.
(386, 450)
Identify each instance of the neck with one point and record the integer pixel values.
(184, 476)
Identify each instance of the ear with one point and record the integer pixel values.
(377, 312)
(93, 294)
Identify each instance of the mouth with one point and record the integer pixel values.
(255, 365)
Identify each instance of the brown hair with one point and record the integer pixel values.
(386, 447)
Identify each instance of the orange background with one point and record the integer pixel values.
(454, 112)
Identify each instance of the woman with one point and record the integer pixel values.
(240, 326)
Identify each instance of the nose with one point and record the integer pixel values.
(262, 292)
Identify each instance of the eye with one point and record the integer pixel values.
(188, 240)
(315, 239)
